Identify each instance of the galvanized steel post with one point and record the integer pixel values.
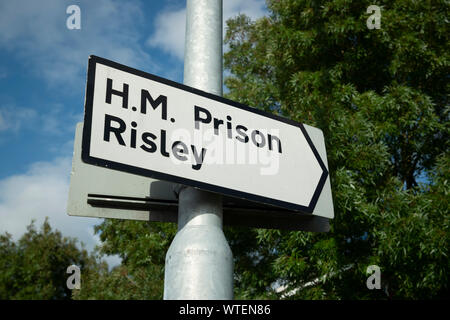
(199, 262)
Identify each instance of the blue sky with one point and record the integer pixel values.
(42, 83)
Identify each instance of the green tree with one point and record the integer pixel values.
(142, 247)
(35, 266)
(381, 99)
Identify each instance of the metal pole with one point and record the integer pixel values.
(199, 262)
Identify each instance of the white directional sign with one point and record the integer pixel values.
(142, 124)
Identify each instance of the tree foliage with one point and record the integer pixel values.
(142, 247)
(381, 99)
(35, 266)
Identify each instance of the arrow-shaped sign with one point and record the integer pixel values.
(146, 125)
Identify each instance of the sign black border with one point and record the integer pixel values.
(85, 147)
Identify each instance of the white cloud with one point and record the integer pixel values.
(12, 118)
(170, 24)
(42, 192)
(169, 34)
(55, 120)
(36, 32)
